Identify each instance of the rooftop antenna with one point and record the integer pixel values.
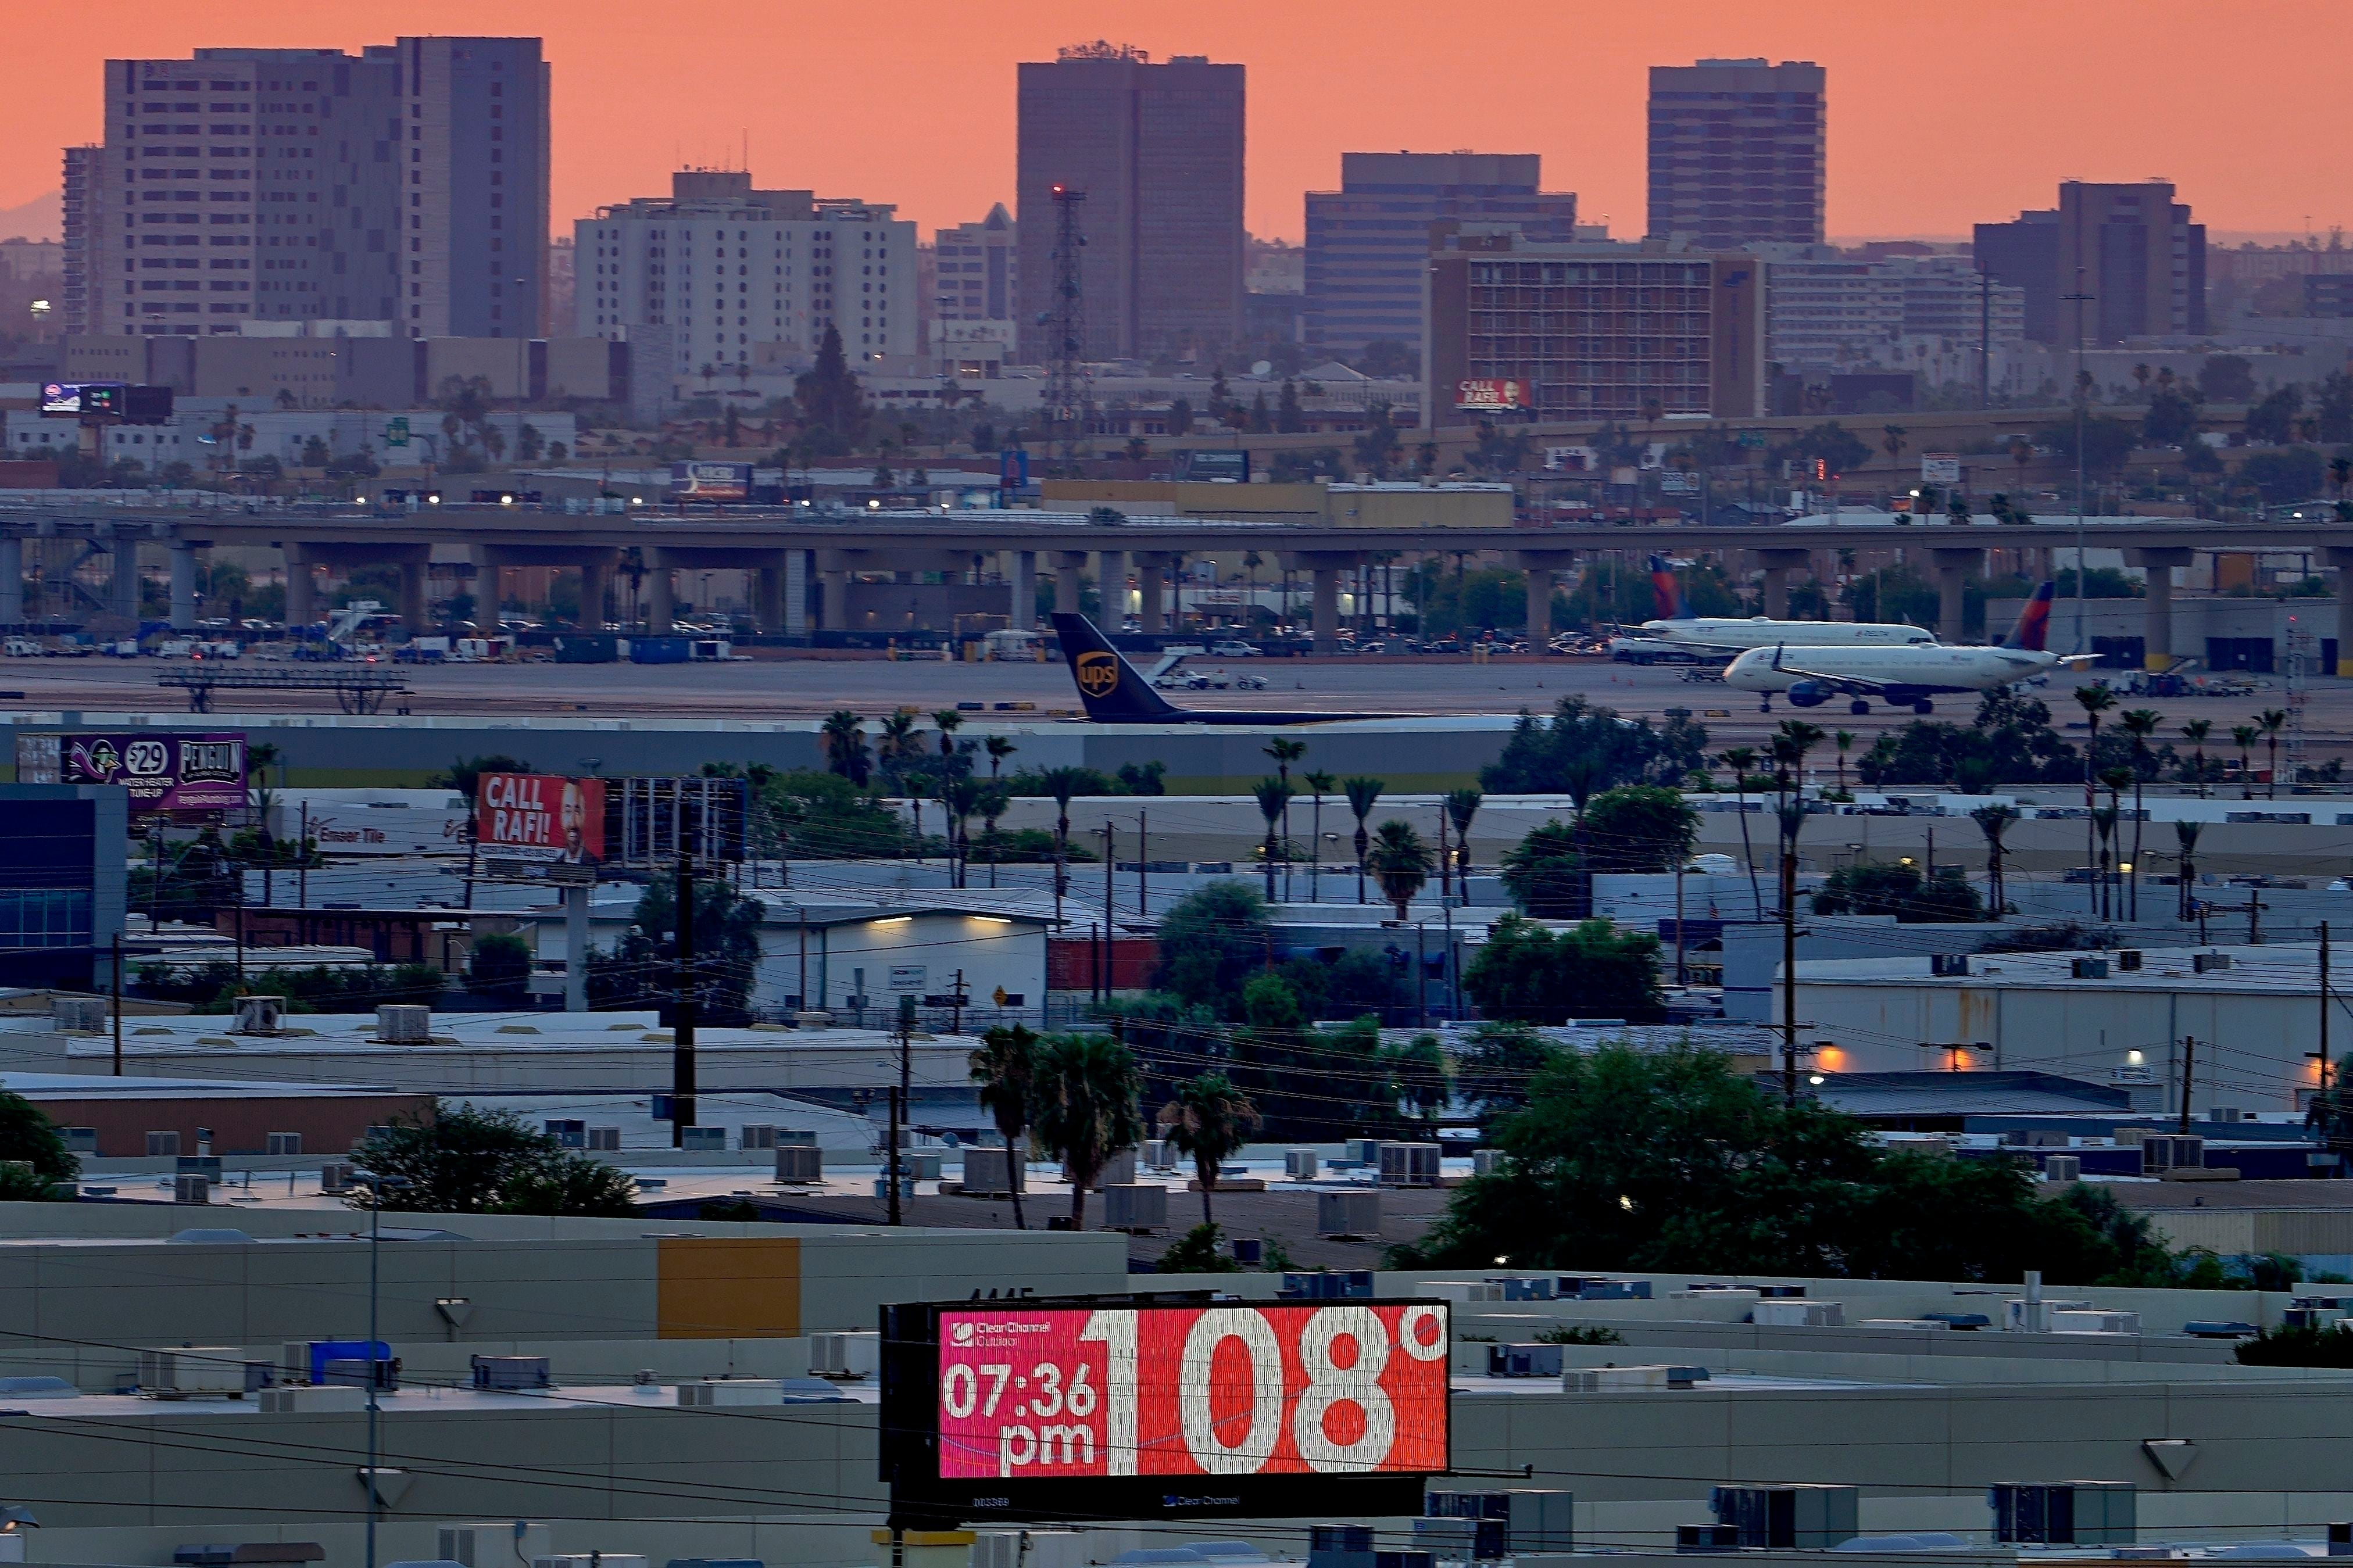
(1067, 389)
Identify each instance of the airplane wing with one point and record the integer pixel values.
(1855, 685)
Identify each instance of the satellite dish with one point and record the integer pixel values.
(1262, 367)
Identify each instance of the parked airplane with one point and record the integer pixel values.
(1676, 623)
(1115, 693)
(1901, 677)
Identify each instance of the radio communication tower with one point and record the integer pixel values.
(1068, 392)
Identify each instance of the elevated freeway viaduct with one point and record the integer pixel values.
(783, 548)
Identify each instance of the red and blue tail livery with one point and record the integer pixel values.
(2032, 632)
(1662, 588)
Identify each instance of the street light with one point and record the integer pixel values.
(377, 1185)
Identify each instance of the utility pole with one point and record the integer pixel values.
(681, 1055)
(906, 1033)
(114, 988)
(1143, 856)
(2083, 407)
(2189, 1061)
(1110, 863)
(1788, 1005)
(2319, 1055)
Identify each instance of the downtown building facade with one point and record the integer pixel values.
(1738, 152)
(1521, 330)
(2134, 254)
(1156, 151)
(407, 184)
(1368, 241)
(1826, 309)
(733, 277)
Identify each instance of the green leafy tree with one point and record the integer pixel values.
(461, 1160)
(1639, 827)
(1496, 1064)
(1085, 1110)
(1530, 974)
(1210, 941)
(1543, 873)
(1420, 1082)
(639, 972)
(832, 401)
(1583, 749)
(1877, 888)
(1200, 1250)
(843, 735)
(500, 965)
(34, 1151)
(1005, 1069)
(1210, 1121)
(465, 775)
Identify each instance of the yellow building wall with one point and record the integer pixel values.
(726, 1287)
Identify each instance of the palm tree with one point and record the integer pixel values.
(2271, 722)
(1083, 1107)
(1844, 741)
(1401, 862)
(949, 721)
(1210, 1120)
(2187, 832)
(845, 745)
(1005, 1067)
(896, 745)
(959, 798)
(1740, 759)
(1791, 741)
(917, 788)
(1994, 821)
(2244, 735)
(992, 804)
(258, 761)
(2140, 723)
(1283, 753)
(999, 748)
(2196, 732)
(1274, 799)
(1062, 783)
(2096, 700)
(1363, 795)
(1461, 806)
(1319, 784)
(2105, 819)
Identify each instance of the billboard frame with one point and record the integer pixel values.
(908, 1457)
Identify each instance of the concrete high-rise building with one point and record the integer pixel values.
(1738, 152)
(1158, 148)
(2132, 248)
(1368, 242)
(1827, 309)
(978, 269)
(407, 184)
(1588, 330)
(743, 277)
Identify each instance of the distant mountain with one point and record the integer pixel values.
(43, 218)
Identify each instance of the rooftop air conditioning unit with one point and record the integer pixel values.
(1523, 1361)
(1117, 1171)
(2063, 1513)
(996, 1548)
(191, 1189)
(607, 1138)
(1464, 1293)
(404, 1024)
(1948, 963)
(2088, 968)
(1348, 1215)
(259, 1015)
(1620, 1379)
(1160, 1154)
(1302, 1164)
(2063, 1168)
(705, 1140)
(2128, 960)
(512, 1374)
(1409, 1164)
(285, 1142)
(2162, 1152)
(2202, 961)
(713, 1392)
(299, 1401)
(193, 1370)
(492, 1545)
(85, 1015)
(1328, 1285)
(1486, 1162)
(335, 1175)
(2096, 1323)
(1790, 1518)
(799, 1162)
(570, 1132)
(845, 1356)
(162, 1143)
(923, 1166)
(991, 1173)
(756, 1137)
(1586, 1288)
(589, 1560)
(1135, 1208)
(1798, 1314)
(1512, 1523)
(1524, 1287)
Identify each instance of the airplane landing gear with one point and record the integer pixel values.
(1924, 707)
(1858, 708)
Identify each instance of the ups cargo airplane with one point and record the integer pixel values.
(1901, 677)
(1115, 693)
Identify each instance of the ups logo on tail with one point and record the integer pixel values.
(1098, 674)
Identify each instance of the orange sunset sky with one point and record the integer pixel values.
(1943, 112)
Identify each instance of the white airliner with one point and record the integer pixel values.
(1675, 623)
(1901, 677)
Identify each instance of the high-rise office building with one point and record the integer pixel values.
(407, 184)
(743, 277)
(1589, 330)
(1368, 242)
(1738, 152)
(2130, 250)
(1157, 150)
(978, 269)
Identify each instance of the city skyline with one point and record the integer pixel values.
(632, 100)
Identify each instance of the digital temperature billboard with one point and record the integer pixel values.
(1044, 1410)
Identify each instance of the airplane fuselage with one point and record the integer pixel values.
(1813, 675)
(1731, 634)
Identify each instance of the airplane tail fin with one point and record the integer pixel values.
(2032, 632)
(1108, 685)
(1671, 606)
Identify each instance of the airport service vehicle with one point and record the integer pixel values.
(1676, 628)
(1901, 677)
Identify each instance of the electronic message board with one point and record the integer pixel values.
(1137, 1408)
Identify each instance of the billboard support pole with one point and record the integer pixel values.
(681, 1070)
(576, 948)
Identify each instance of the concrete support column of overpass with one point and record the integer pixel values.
(1068, 564)
(1110, 587)
(595, 588)
(1022, 613)
(183, 587)
(1540, 566)
(123, 587)
(2341, 557)
(2156, 624)
(661, 603)
(835, 599)
(1952, 581)
(12, 579)
(1777, 565)
(414, 611)
(1322, 568)
(302, 607)
(768, 598)
(1151, 580)
(796, 571)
